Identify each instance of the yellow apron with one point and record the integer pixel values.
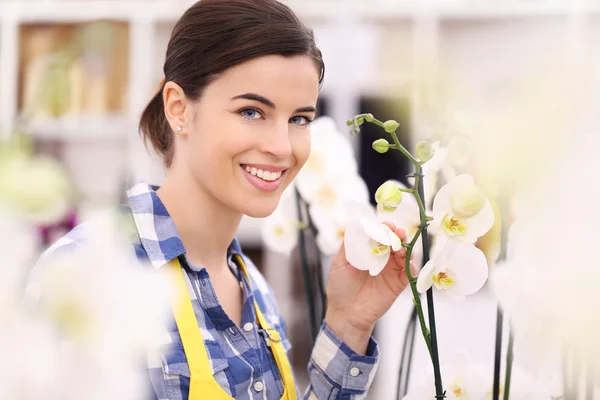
(202, 383)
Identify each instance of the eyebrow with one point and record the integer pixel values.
(269, 103)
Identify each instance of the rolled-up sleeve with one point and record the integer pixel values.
(338, 372)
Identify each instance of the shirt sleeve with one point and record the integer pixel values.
(338, 372)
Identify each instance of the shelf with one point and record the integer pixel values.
(383, 10)
(80, 128)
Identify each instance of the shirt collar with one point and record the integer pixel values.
(156, 230)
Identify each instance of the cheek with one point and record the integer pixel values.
(301, 148)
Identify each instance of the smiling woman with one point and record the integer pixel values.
(232, 123)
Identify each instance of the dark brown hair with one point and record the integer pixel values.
(214, 35)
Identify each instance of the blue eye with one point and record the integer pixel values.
(250, 113)
(300, 120)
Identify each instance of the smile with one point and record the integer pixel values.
(267, 179)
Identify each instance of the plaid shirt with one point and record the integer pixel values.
(239, 356)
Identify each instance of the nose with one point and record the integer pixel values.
(277, 141)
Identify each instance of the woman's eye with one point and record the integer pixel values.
(300, 120)
(250, 113)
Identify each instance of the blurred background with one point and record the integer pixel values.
(76, 74)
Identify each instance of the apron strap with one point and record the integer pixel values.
(283, 363)
(202, 382)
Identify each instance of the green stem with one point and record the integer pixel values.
(411, 191)
(435, 359)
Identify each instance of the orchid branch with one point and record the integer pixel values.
(382, 146)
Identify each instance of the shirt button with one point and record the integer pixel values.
(248, 326)
(354, 371)
(258, 386)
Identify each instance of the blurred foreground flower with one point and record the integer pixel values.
(548, 290)
(368, 242)
(91, 314)
(465, 379)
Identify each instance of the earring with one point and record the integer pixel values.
(178, 128)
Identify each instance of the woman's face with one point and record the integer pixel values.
(249, 134)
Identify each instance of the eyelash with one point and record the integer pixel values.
(241, 111)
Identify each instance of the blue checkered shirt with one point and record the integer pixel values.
(239, 358)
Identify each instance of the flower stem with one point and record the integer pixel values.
(439, 387)
(509, 362)
(305, 271)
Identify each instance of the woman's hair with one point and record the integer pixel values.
(214, 35)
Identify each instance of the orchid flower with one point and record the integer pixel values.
(368, 243)
(461, 211)
(458, 270)
(279, 230)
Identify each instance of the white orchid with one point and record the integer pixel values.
(279, 231)
(331, 152)
(406, 216)
(458, 270)
(461, 211)
(368, 242)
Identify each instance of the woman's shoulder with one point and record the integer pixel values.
(115, 222)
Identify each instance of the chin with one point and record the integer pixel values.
(259, 208)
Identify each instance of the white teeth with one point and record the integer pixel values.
(265, 175)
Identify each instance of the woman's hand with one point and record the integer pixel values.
(356, 300)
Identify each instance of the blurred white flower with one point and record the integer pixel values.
(99, 296)
(368, 242)
(333, 191)
(461, 211)
(32, 366)
(38, 188)
(331, 152)
(548, 287)
(458, 270)
(279, 230)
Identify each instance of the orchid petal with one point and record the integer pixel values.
(376, 231)
(425, 279)
(279, 233)
(393, 239)
(468, 264)
(357, 246)
(441, 202)
(480, 223)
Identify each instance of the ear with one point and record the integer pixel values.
(176, 107)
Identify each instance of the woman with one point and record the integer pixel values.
(232, 123)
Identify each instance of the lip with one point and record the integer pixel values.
(261, 184)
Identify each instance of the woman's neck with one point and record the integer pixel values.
(206, 225)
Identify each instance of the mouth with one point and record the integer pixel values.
(264, 179)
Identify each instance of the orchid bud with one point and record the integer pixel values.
(369, 117)
(388, 197)
(467, 201)
(390, 126)
(424, 151)
(381, 146)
